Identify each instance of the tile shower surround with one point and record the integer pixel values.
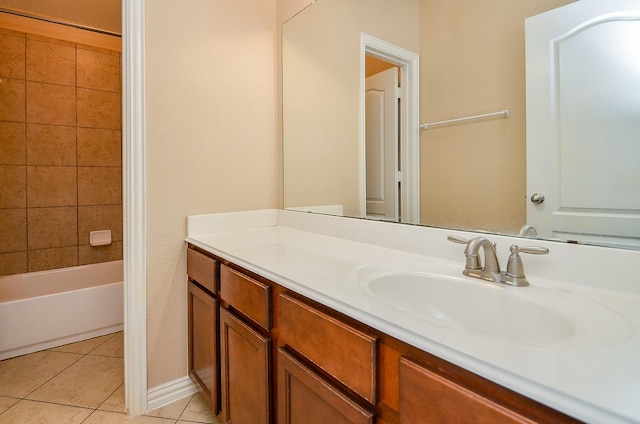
(60, 152)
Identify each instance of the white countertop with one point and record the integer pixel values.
(594, 376)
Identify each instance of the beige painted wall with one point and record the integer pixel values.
(101, 14)
(211, 143)
(286, 9)
(472, 62)
(321, 95)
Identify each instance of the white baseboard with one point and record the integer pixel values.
(170, 392)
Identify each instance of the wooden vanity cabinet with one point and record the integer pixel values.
(326, 367)
(245, 373)
(305, 397)
(418, 387)
(203, 325)
(245, 348)
(427, 397)
(288, 359)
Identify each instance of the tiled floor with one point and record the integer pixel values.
(81, 383)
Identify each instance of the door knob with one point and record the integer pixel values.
(537, 198)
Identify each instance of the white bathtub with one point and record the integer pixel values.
(41, 310)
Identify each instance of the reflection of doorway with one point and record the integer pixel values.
(381, 143)
(395, 192)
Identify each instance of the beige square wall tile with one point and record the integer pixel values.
(12, 58)
(49, 186)
(51, 104)
(99, 109)
(13, 150)
(97, 49)
(21, 375)
(51, 145)
(12, 32)
(87, 383)
(12, 100)
(13, 263)
(13, 186)
(50, 40)
(58, 257)
(13, 227)
(99, 71)
(52, 63)
(99, 185)
(52, 227)
(93, 254)
(100, 217)
(29, 412)
(99, 147)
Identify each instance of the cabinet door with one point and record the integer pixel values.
(427, 397)
(244, 356)
(203, 357)
(306, 398)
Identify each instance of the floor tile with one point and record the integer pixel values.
(105, 417)
(173, 410)
(84, 346)
(113, 347)
(87, 383)
(66, 384)
(22, 375)
(115, 402)
(198, 411)
(6, 403)
(30, 412)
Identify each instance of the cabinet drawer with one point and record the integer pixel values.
(246, 295)
(428, 397)
(305, 397)
(344, 352)
(202, 269)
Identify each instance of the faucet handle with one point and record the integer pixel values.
(456, 239)
(533, 250)
(473, 262)
(515, 269)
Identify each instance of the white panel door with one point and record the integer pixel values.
(381, 140)
(583, 122)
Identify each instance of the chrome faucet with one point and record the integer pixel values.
(490, 271)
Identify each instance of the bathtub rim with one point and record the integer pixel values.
(29, 285)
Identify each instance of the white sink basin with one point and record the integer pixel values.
(532, 315)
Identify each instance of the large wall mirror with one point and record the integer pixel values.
(544, 154)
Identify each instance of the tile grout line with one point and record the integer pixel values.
(82, 356)
(92, 410)
(185, 408)
(55, 375)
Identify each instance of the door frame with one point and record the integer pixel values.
(409, 124)
(134, 206)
